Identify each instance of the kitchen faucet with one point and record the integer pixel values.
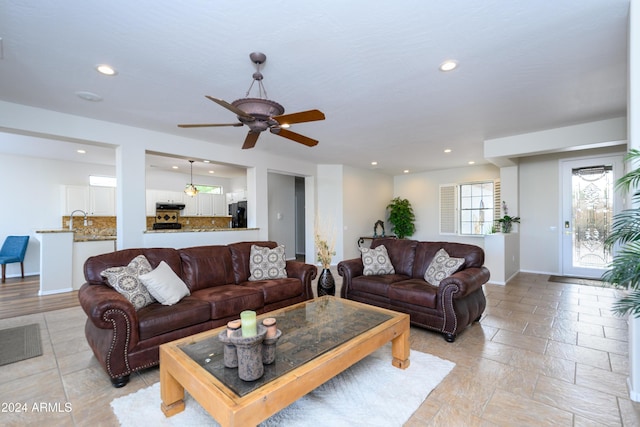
(71, 218)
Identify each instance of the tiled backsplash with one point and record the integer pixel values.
(106, 225)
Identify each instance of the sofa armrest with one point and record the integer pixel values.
(108, 309)
(467, 281)
(349, 269)
(305, 272)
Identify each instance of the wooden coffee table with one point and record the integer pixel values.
(320, 338)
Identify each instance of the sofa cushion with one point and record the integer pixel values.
(240, 254)
(414, 291)
(230, 300)
(378, 285)
(266, 263)
(376, 261)
(125, 280)
(425, 251)
(401, 252)
(442, 266)
(95, 265)
(278, 289)
(164, 284)
(157, 319)
(206, 266)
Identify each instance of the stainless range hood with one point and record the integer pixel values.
(167, 206)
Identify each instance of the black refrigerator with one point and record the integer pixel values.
(238, 212)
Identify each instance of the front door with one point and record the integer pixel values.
(589, 202)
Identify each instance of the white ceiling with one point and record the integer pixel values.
(370, 66)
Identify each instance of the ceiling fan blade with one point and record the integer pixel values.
(230, 107)
(295, 137)
(250, 140)
(210, 125)
(301, 117)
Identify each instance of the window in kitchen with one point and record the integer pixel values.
(211, 189)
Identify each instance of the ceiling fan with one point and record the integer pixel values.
(260, 114)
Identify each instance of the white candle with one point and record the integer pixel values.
(249, 326)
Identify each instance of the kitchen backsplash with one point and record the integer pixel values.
(106, 225)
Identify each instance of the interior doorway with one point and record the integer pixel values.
(589, 202)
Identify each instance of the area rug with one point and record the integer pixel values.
(20, 343)
(371, 392)
(579, 281)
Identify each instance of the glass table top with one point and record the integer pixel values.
(308, 331)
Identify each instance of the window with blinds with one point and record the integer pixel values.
(470, 208)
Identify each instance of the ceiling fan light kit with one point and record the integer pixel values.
(260, 114)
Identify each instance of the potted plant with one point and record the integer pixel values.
(624, 270)
(506, 222)
(401, 217)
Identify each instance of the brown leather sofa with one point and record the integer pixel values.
(125, 340)
(449, 308)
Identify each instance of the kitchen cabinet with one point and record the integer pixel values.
(199, 205)
(95, 201)
(219, 205)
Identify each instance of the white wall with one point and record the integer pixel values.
(172, 181)
(281, 201)
(366, 195)
(422, 190)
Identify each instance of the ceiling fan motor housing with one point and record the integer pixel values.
(260, 109)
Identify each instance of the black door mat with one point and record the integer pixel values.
(20, 343)
(579, 281)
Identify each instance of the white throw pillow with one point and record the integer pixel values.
(126, 281)
(266, 264)
(376, 261)
(442, 266)
(165, 285)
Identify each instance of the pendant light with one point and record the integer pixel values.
(191, 190)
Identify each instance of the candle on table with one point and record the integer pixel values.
(249, 326)
(234, 325)
(270, 324)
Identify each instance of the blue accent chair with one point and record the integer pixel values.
(13, 250)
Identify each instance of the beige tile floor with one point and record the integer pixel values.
(543, 354)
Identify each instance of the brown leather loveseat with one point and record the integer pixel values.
(447, 308)
(125, 340)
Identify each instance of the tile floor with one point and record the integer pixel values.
(543, 354)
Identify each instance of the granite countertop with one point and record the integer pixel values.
(79, 237)
(198, 230)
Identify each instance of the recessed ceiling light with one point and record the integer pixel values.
(207, 161)
(447, 150)
(88, 96)
(285, 126)
(211, 171)
(105, 69)
(174, 167)
(406, 171)
(374, 163)
(81, 152)
(471, 162)
(448, 65)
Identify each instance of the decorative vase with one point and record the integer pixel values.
(506, 227)
(250, 366)
(326, 284)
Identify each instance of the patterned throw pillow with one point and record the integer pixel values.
(266, 264)
(376, 261)
(125, 280)
(442, 266)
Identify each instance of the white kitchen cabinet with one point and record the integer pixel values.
(205, 204)
(154, 196)
(219, 205)
(102, 201)
(76, 197)
(190, 205)
(95, 201)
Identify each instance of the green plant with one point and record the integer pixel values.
(401, 217)
(624, 270)
(506, 222)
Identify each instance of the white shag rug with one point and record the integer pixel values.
(372, 392)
